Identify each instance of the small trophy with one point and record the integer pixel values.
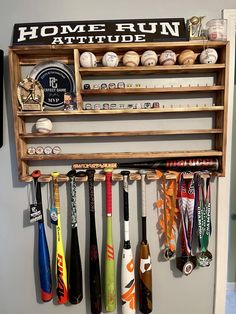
(195, 28)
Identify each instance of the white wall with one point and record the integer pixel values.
(19, 280)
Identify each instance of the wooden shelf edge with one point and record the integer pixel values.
(124, 155)
(107, 46)
(140, 90)
(118, 111)
(151, 70)
(119, 134)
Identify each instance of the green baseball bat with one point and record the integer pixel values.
(110, 283)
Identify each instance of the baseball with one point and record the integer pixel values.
(43, 125)
(88, 60)
(149, 58)
(208, 55)
(167, 57)
(131, 59)
(110, 59)
(186, 57)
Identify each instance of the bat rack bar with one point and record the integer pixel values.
(116, 177)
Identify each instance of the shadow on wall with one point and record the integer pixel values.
(9, 116)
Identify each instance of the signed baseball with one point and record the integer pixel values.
(208, 55)
(167, 57)
(149, 58)
(131, 59)
(186, 57)
(110, 59)
(88, 60)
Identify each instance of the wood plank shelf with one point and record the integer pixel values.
(157, 90)
(120, 155)
(119, 134)
(122, 70)
(119, 112)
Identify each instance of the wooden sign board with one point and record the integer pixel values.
(95, 32)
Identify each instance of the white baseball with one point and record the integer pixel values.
(110, 59)
(43, 125)
(88, 60)
(149, 58)
(167, 57)
(208, 55)
(131, 59)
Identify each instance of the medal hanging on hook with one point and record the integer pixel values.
(186, 199)
(203, 190)
(169, 213)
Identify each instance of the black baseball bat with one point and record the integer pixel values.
(211, 164)
(94, 269)
(75, 269)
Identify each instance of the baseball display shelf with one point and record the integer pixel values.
(23, 56)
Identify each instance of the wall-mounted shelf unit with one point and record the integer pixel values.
(170, 83)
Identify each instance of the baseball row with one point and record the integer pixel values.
(149, 58)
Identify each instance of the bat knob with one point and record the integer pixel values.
(36, 174)
(142, 172)
(55, 174)
(80, 174)
(108, 169)
(90, 172)
(125, 172)
(71, 173)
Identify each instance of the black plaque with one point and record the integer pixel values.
(94, 32)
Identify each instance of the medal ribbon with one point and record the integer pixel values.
(187, 212)
(204, 212)
(169, 210)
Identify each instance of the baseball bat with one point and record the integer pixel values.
(61, 271)
(196, 164)
(145, 266)
(109, 282)
(127, 264)
(75, 280)
(43, 252)
(94, 269)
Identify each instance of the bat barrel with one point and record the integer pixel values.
(145, 267)
(109, 283)
(127, 264)
(75, 275)
(94, 269)
(61, 269)
(195, 164)
(43, 252)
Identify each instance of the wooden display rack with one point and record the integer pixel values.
(30, 55)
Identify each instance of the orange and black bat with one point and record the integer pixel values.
(145, 266)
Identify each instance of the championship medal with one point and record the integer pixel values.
(204, 218)
(187, 262)
(168, 254)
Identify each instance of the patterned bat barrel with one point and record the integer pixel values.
(127, 263)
